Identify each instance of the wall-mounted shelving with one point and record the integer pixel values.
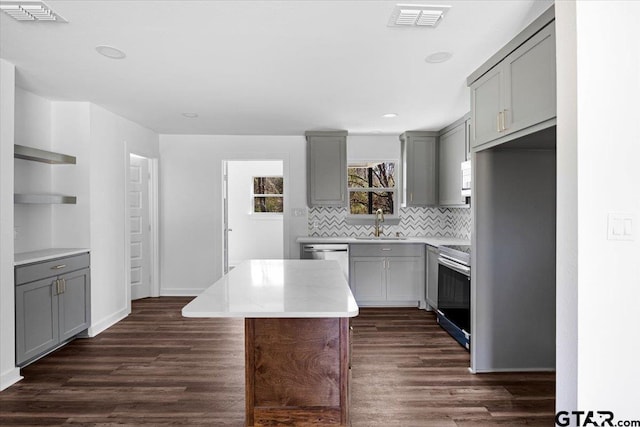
(42, 156)
(38, 199)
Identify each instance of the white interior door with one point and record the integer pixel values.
(247, 234)
(140, 227)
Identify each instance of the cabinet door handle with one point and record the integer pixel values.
(498, 121)
(411, 197)
(504, 120)
(64, 285)
(58, 267)
(57, 283)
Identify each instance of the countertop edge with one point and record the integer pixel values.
(272, 315)
(22, 258)
(431, 241)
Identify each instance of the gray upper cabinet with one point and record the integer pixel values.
(419, 168)
(518, 95)
(326, 168)
(486, 105)
(452, 152)
(52, 304)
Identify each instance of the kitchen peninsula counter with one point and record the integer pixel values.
(296, 338)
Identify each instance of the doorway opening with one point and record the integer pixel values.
(253, 210)
(142, 214)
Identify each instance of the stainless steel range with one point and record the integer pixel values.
(454, 291)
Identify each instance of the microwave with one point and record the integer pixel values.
(465, 168)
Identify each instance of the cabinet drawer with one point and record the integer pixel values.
(40, 270)
(387, 250)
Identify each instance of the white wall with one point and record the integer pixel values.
(112, 137)
(70, 134)
(598, 152)
(191, 202)
(32, 223)
(253, 236)
(373, 147)
(8, 372)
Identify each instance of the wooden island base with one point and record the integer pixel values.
(297, 371)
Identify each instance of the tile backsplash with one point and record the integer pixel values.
(435, 222)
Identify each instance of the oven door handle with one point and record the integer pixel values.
(454, 266)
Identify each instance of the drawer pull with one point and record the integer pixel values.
(58, 267)
(386, 249)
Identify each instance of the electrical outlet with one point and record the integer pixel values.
(620, 226)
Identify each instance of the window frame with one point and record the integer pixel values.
(367, 219)
(254, 195)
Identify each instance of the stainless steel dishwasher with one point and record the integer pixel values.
(328, 251)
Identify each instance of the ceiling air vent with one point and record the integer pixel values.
(417, 15)
(30, 11)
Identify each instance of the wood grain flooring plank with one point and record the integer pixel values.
(156, 368)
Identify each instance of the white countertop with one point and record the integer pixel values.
(22, 258)
(431, 241)
(277, 289)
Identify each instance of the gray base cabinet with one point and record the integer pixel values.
(518, 93)
(385, 275)
(327, 168)
(432, 277)
(52, 304)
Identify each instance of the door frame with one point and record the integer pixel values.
(286, 215)
(154, 250)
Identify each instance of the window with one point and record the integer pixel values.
(372, 185)
(268, 194)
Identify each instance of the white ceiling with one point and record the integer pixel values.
(262, 67)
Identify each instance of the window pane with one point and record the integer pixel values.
(367, 202)
(372, 175)
(268, 204)
(268, 185)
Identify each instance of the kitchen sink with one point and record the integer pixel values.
(380, 238)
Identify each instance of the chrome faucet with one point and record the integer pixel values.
(379, 219)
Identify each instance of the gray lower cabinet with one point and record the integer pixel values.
(327, 168)
(419, 152)
(52, 304)
(387, 275)
(518, 93)
(432, 276)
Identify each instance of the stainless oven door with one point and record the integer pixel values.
(454, 293)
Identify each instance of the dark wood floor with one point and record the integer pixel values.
(158, 368)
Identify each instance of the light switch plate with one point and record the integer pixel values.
(298, 211)
(620, 226)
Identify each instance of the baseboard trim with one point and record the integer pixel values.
(9, 378)
(107, 322)
(180, 292)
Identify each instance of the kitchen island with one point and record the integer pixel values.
(296, 338)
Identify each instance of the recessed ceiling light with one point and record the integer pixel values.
(190, 115)
(390, 115)
(110, 52)
(438, 57)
